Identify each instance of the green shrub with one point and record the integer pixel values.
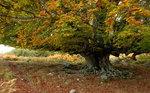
(143, 58)
(29, 53)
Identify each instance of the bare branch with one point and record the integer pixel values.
(21, 17)
(30, 12)
(27, 20)
(7, 7)
(7, 2)
(44, 7)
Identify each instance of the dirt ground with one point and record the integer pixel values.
(51, 78)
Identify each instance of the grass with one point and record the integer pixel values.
(43, 75)
(40, 56)
(9, 79)
(6, 73)
(8, 86)
(29, 53)
(143, 58)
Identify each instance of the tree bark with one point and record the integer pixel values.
(101, 62)
(91, 61)
(103, 67)
(104, 63)
(134, 56)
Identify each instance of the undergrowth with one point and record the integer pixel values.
(29, 53)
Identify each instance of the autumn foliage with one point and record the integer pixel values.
(92, 28)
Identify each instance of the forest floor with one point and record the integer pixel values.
(50, 77)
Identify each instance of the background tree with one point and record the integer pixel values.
(93, 28)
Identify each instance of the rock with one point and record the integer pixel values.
(58, 86)
(116, 61)
(125, 60)
(104, 77)
(78, 79)
(50, 74)
(67, 65)
(148, 65)
(72, 91)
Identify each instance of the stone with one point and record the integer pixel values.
(125, 60)
(50, 74)
(72, 91)
(58, 86)
(67, 65)
(104, 77)
(116, 61)
(78, 79)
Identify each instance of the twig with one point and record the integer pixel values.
(7, 7)
(29, 12)
(45, 7)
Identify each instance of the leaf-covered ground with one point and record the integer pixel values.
(36, 77)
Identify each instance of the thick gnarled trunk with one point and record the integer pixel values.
(99, 61)
(104, 63)
(100, 65)
(91, 61)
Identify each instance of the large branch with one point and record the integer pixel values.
(22, 17)
(6, 1)
(7, 7)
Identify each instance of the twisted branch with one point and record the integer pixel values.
(21, 17)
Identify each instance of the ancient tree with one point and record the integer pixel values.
(93, 28)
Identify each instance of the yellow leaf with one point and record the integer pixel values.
(16, 5)
(42, 13)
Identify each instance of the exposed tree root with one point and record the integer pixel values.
(106, 75)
